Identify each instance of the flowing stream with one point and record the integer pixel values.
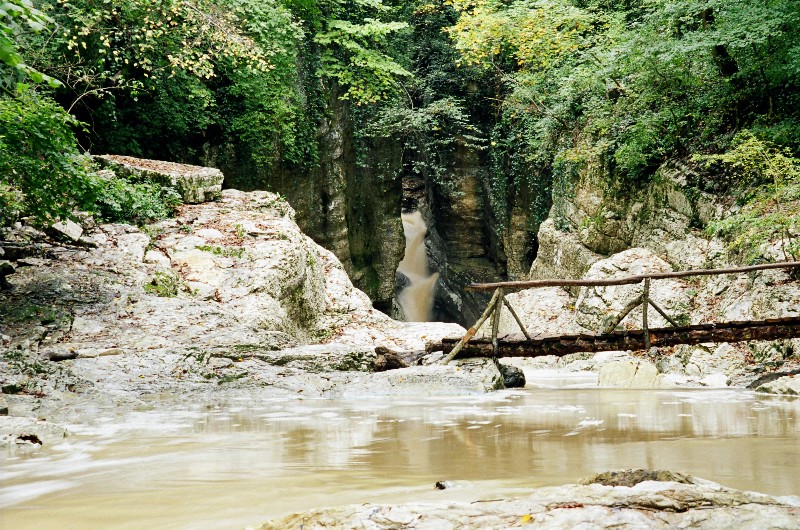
(238, 464)
(416, 299)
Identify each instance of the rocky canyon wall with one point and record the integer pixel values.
(351, 209)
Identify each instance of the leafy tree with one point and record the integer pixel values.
(17, 17)
(42, 173)
(767, 182)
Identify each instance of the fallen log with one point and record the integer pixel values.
(387, 359)
(560, 345)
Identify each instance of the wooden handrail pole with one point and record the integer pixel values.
(645, 307)
(498, 309)
(664, 314)
(474, 329)
(516, 317)
(560, 345)
(613, 323)
(628, 280)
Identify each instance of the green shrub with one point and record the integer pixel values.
(42, 173)
(120, 200)
(767, 184)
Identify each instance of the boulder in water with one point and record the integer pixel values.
(513, 377)
(787, 385)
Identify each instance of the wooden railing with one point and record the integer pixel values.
(498, 301)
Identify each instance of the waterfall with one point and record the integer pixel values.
(416, 299)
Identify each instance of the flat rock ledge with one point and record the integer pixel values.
(25, 431)
(788, 385)
(656, 499)
(195, 184)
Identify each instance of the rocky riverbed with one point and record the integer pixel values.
(627, 499)
(226, 296)
(230, 298)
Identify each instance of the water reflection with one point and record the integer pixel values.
(249, 462)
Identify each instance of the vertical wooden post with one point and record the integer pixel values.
(498, 308)
(474, 329)
(645, 307)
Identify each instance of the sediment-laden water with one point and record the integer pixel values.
(416, 299)
(238, 464)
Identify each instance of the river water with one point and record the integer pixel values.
(237, 464)
(416, 299)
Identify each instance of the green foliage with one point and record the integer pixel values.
(767, 182)
(42, 174)
(172, 79)
(429, 135)
(17, 17)
(120, 200)
(629, 86)
(352, 57)
(166, 284)
(228, 252)
(533, 35)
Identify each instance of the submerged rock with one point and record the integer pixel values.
(787, 385)
(18, 430)
(629, 374)
(513, 377)
(468, 376)
(630, 499)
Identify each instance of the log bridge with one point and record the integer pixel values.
(610, 339)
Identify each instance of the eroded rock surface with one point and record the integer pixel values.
(228, 294)
(787, 385)
(25, 431)
(597, 232)
(631, 500)
(194, 183)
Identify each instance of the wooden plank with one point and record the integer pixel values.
(560, 345)
(628, 280)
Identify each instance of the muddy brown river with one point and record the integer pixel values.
(238, 464)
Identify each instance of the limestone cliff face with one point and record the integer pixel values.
(592, 221)
(460, 235)
(351, 209)
(596, 232)
(472, 238)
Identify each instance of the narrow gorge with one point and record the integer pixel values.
(237, 239)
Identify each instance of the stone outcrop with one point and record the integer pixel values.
(787, 385)
(24, 431)
(556, 311)
(629, 374)
(228, 294)
(596, 305)
(561, 254)
(595, 231)
(662, 216)
(648, 499)
(471, 376)
(195, 184)
(349, 208)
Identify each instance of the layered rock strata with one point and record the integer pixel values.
(610, 500)
(226, 295)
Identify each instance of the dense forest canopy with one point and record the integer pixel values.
(541, 87)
